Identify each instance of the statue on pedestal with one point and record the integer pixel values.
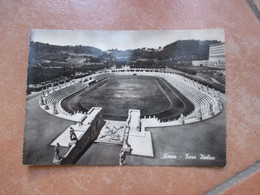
(55, 111)
(73, 137)
(41, 100)
(46, 107)
(181, 119)
(43, 94)
(210, 112)
(122, 157)
(127, 148)
(199, 115)
(57, 159)
(53, 89)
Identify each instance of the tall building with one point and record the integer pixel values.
(217, 55)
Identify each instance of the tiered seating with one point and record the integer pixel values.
(56, 96)
(205, 104)
(201, 100)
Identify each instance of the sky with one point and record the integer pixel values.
(122, 40)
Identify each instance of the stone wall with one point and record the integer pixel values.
(94, 123)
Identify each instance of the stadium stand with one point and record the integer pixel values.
(69, 88)
(56, 96)
(206, 105)
(206, 100)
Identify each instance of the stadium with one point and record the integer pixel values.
(120, 116)
(152, 105)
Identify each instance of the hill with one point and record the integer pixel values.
(187, 49)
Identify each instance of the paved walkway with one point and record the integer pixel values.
(207, 138)
(41, 129)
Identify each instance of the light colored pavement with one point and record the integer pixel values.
(41, 129)
(206, 137)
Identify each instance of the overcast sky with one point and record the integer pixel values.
(122, 39)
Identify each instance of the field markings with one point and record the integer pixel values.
(175, 94)
(153, 94)
(160, 87)
(83, 91)
(100, 85)
(161, 79)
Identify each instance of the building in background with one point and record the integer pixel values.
(199, 62)
(217, 55)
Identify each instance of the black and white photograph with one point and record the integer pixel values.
(126, 98)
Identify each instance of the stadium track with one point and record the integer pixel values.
(179, 104)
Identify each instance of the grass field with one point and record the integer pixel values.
(118, 94)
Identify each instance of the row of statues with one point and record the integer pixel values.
(210, 112)
(202, 87)
(48, 90)
(43, 102)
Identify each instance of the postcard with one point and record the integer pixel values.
(134, 98)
